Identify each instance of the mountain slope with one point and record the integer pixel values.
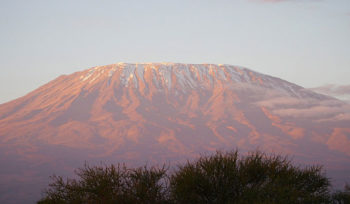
(156, 112)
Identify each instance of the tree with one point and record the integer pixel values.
(219, 178)
(109, 184)
(256, 178)
(342, 197)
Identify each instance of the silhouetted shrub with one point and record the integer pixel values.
(110, 184)
(220, 178)
(342, 197)
(256, 178)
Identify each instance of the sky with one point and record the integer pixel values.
(302, 41)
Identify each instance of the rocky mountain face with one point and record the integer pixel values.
(164, 112)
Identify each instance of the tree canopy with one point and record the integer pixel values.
(218, 178)
(109, 184)
(228, 178)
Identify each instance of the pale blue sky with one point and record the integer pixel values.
(306, 42)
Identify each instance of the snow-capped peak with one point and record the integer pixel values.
(184, 76)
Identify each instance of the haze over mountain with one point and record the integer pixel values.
(164, 112)
(341, 92)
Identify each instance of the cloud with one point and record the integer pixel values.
(273, 1)
(312, 112)
(339, 117)
(279, 1)
(338, 91)
(307, 108)
(311, 106)
(279, 101)
(334, 89)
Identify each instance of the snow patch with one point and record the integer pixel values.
(188, 76)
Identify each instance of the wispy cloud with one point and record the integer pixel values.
(314, 109)
(279, 1)
(273, 1)
(279, 101)
(338, 91)
(312, 112)
(318, 109)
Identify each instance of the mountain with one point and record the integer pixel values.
(164, 112)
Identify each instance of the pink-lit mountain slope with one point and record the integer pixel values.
(165, 112)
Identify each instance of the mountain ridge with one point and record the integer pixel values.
(247, 70)
(168, 112)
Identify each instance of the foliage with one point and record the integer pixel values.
(342, 197)
(110, 184)
(256, 178)
(219, 178)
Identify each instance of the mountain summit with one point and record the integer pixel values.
(159, 112)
